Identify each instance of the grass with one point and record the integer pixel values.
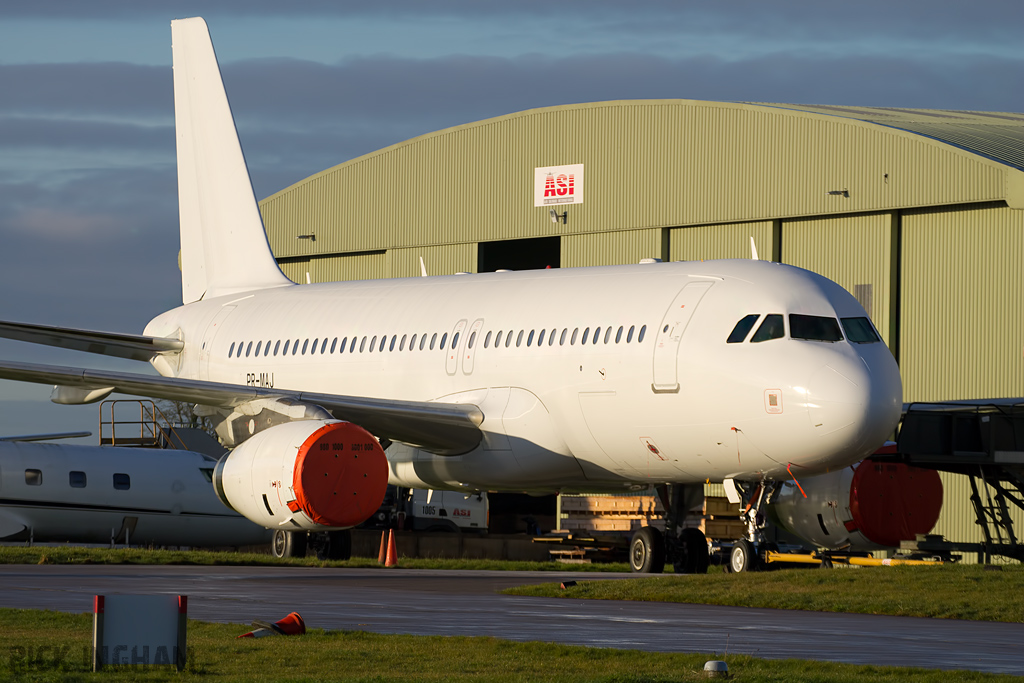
(79, 555)
(948, 591)
(40, 645)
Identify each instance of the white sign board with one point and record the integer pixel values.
(555, 185)
(138, 630)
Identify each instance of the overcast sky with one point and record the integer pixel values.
(88, 205)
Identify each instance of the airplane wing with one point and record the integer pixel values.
(131, 346)
(442, 428)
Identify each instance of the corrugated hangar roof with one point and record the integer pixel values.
(995, 135)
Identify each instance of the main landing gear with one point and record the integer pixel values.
(746, 554)
(328, 545)
(685, 547)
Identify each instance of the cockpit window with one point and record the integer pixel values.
(742, 329)
(859, 330)
(771, 328)
(814, 328)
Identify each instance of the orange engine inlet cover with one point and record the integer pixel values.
(340, 475)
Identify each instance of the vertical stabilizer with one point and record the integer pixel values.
(224, 246)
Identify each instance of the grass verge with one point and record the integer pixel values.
(948, 591)
(79, 555)
(52, 646)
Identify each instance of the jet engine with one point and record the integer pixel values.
(867, 506)
(310, 475)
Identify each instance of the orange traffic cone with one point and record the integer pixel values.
(291, 625)
(392, 558)
(383, 554)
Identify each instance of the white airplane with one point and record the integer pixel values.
(584, 379)
(92, 494)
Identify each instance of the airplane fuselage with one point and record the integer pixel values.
(588, 378)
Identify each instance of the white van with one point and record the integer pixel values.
(434, 510)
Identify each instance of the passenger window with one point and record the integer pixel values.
(34, 477)
(551, 337)
(607, 334)
(433, 340)
(259, 345)
(373, 343)
(323, 345)
(277, 346)
(423, 341)
(487, 340)
(770, 328)
(383, 340)
(508, 339)
(362, 344)
(742, 329)
(391, 347)
(248, 349)
(814, 328)
(529, 339)
(618, 335)
(305, 345)
(859, 330)
(561, 340)
(455, 341)
(401, 345)
(629, 335)
(519, 339)
(444, 338)
(231, 351)
(540, 339)
(597, 334)
(312, 351)
(122, 482)
(472, 338)
(76, 480)
(334, 344)
(640, 338)
(266, 349)
(285, 352)
(412, 343)
(295, 347)
(572, 341)
(583, 341)
(344, 341)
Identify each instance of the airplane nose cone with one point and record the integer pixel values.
(855, 402)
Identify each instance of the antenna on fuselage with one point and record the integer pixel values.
(423, 268)
(753, 249)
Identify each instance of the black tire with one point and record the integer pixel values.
(337, 545)
(693, 551)
(647, 551)
(743, 558)
(288, 543)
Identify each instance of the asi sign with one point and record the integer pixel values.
(554, 185)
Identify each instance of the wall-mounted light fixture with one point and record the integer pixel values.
(555, 216)
(839, 193)
(311, 237)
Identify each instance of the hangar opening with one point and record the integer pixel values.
(527, 254)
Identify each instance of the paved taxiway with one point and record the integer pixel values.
(465, 603)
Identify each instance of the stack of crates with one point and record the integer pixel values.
(597, 514)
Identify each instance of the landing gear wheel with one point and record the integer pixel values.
(743, 558)
(693, 549)
(647, 551)
(337, 545)
(288, 543)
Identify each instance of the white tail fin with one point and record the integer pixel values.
(224, 246)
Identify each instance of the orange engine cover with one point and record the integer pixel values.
(891, 501)
(340, 475)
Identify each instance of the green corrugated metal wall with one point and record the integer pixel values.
(610, 248)
(706, 242)
(962, 304)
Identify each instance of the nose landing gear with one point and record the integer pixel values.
(747, 552)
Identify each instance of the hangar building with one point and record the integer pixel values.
(918, 213)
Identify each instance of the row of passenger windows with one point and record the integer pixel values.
(77, 480)
(328, 346)
(807, 327)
